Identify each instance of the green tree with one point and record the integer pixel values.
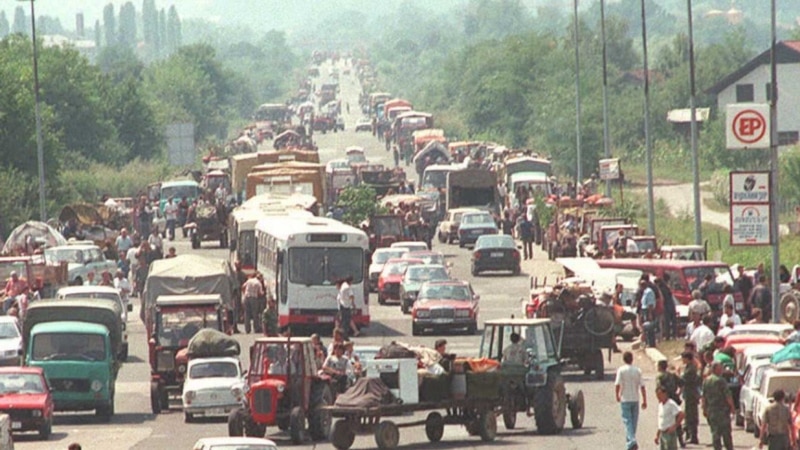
(162, 33)
(110, 25)
(173, 29)
(359, 204)
(135, 120)
(4, 28)
(98, 34)
(150, 26)
(119, 62)
(21, 24)
(127, 25)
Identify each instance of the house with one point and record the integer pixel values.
(751, 84)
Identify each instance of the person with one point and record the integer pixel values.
(251, 291)
(761, 298)
(703, 336)
(124, 287)
(631, 247)
(755, 316)
(698, 307)
(346, 301)
(514, 354)
(412, 222)
(729, 314)
(183, 214)
(671, 383)
(123, 242)
(338, 338)
(396, 155)
(335, 365)
(647, 312)
(171, 253)
(145, 218)
(270, 317)
(156, 245)
(320, 352)
(627, 387)
(690, 378)
(106, 279)
(777, 427)
(717, 404)
(783, 274)
(726, 329)
(670, 417)
(526, 236)
(795, 336)
(670, 308)
(171, 214)
(90, 279)
(441, 347)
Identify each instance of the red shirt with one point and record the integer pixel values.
(14, 288)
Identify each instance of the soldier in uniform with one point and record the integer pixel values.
(717, 407)
(671, 383)
(270, 317)
(691, 395)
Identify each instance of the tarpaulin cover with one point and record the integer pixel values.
(365, 393)
(788, 353)
(39, 231)
(209, 343)
(395, 351)
(186, 275)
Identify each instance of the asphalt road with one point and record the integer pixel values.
(134, 426)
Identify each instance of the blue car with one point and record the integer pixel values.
(475, 225)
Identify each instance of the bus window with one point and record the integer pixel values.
(315, 266)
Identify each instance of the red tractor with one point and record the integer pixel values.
(284, 388)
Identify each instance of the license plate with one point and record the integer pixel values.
(16, 425)
(215, 412)
(441, 320)
(325, 319)
(476, 231)
(496, 255)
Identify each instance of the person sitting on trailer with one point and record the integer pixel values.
(514, 354)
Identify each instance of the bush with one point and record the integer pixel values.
(720, 187)
(91, 183)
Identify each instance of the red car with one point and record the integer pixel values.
(392, 277)
(445, 305)
(25, 397)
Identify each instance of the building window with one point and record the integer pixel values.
(744, 93)
(788, 137)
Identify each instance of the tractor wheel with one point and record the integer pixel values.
(510, 413)
(342, 435)
(319, 421)
(577, 410)
(387, 435)
(434, 427)
(195, 242)
(599, 365)
(550, 405)
(105, 412)
(297, 425)
(487, 426)
(155, 397)
(236, 423)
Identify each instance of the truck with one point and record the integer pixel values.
(475, 188)
(76, 343)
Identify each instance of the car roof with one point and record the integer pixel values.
(428, 266)
(447, 283)
(390, 249)
(752, 339)
(476, 212)
(424, 253)
(405, 260)
(516, 322)
(405, 243)
(74, 247)
(463, 210)
(228, 359)
(9, 319)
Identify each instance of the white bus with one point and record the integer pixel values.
(302, 259)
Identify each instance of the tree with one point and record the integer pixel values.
(134, 119)
(162, 33)
(359, 204)
(110, 25)
(98, 35)
(150, 26)
(21, 24)
(173, 29)
(127, 25)
(4, 28)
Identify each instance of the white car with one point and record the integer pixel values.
(81, 258)
(411, 246)
(10, 341)
(788, 380)
(234, 443)
(379, 258)
(782, 330)
(103, 293)
(213, 387)
(363, 124)
(750, 383)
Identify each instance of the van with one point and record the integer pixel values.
(685, 276)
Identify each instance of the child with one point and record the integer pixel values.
(670, 417)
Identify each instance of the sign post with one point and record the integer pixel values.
(747, 126)
(609, 171)
(749, 208)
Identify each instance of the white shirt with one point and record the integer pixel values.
(345, 295)
(631, 247)
(131, 256)
(735, 317)
(724, 331)
(171, 211)
(667, 413)
(124, 288)
(699, 307)
(124, 243)
(155, 241)
(701, 337)
(629, 378)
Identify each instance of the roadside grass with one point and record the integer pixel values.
(671, 349)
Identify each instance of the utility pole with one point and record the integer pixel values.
(606, 135)
(651, 213)
(579, 172)
(698, 228)
(773, 159)
(38, 114)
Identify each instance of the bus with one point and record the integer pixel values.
(276, 113)
(301, 260)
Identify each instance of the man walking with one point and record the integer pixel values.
(669, 421)
(718, 406)
(628, 386)
(761, 298)
(691, 394)
(777, 428)
(252, 290)
(171, 214)
(671, 383)
(526, 235)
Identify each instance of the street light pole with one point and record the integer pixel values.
(651, 212)
(606, 136)
(698, 228)
(38, 113)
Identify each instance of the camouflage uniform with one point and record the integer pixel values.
(270, 321)
(717, 395)
(691, 398)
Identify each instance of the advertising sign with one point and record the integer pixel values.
(609, 169)
(749, 187)
(747, 126)
(749, 208)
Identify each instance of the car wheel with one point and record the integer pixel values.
(474, 271)
(46, 429)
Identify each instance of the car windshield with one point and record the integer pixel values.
(720, 276)
(98, 295)
(72, 255)
(495, 241)
(356, 158)
(392, 226)
(69, 347)
(8, 330)
(380, 257)
(215, 369)
(397, 268)
(476, 219)
(445, 292)
(189, 191)
(322, 266)
(175, 328)
(419, 274)
(21, 383)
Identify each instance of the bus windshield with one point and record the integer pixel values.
(322, 266)
(434, 179)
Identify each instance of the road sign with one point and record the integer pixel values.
(749, 208)
(747, 126)
(609, 169)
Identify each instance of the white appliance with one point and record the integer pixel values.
(400, 375)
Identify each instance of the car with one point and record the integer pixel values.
(750, 383)
(391, 277)
(102, 293)
(495, 252)
(773, 378)
(428, 256)
(81, 259)
(413, 279)
(234, 443)
(782, 330)
(445, 305)
(10, 342)
(447, 231)
(27, 400)
(355, 155)
(363, 124)
(411, 246)
(213, 387)
(379, 258)
(339, 124)
(474, 225)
